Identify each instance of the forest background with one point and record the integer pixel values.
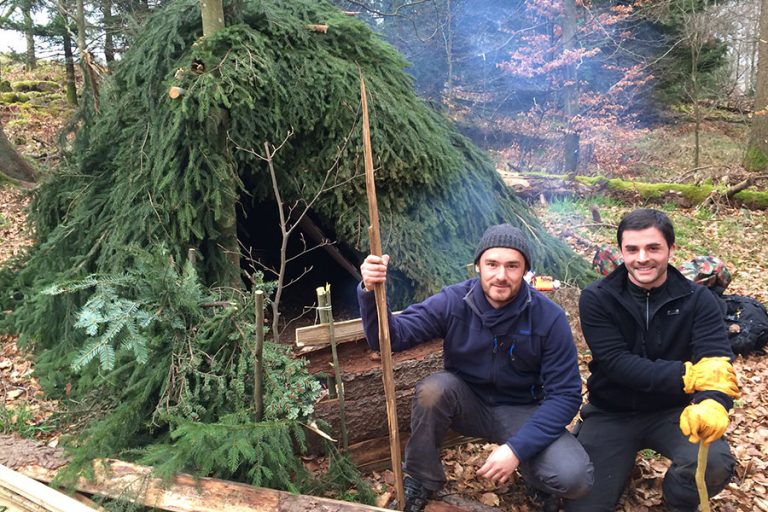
(663, 92)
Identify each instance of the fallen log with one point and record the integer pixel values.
(363, 388)
(534, 186)
(184, 493)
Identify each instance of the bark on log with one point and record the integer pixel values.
(364, 391)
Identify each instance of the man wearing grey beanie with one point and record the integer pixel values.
(511, 373)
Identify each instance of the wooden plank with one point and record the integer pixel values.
(41, 495)
(320, 334)
(184, 493)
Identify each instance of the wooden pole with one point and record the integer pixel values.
(701, 470)
(258, 351)
(326, 317)
(381, 306)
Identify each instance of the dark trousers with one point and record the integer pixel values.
(444, 401)
(612, 441)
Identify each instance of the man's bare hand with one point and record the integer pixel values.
(374, 270)
(500, 465)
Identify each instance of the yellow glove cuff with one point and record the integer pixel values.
(711, 374)
(705, 421)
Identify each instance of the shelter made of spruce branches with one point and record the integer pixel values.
(147, 171)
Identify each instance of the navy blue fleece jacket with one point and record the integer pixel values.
(522, 353)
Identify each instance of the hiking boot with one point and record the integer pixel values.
(416, 495)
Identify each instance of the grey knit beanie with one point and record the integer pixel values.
(504, 235)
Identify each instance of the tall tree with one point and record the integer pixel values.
(756, 157)
(29, 33)
(109, 43)
(212, 13)
(570, 90)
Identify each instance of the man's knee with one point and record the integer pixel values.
(679, 484)
(720, 468)
(575, 480)
(433, 389)
(564, 469)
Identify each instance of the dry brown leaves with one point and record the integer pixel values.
(20, 393)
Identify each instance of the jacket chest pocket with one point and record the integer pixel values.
(523, 353)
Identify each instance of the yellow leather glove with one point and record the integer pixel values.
(705, 421)
(711, 374)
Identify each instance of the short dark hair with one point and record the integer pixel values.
(645, 218)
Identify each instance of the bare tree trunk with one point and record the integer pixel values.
(80, 19)
(109, 45)
(212, 13)
(12, 164)
(69, 66)
(448, 42)
(756, 157)
(695, 47)
(570, 92)
(29, 33)
(213, 16)
(69, 59)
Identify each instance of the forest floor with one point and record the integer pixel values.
(737, 236)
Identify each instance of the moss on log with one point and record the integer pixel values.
(683, 194)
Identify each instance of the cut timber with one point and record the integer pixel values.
(184, 493)
(320, 334)
(35, 495)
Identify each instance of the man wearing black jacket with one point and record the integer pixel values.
(661, 374)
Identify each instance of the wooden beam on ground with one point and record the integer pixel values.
(123, 480)
(320, 334)
(34, 494)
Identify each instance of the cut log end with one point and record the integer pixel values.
(318, 27)
(176, 92)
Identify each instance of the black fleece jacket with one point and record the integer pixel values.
(637, 359)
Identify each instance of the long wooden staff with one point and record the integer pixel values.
(381, 307)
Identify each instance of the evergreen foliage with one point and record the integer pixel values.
(174, 379)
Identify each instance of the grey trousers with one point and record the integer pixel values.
(444, 401)
(612, 441)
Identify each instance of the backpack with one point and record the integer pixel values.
(747, 323)
(707, 271)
